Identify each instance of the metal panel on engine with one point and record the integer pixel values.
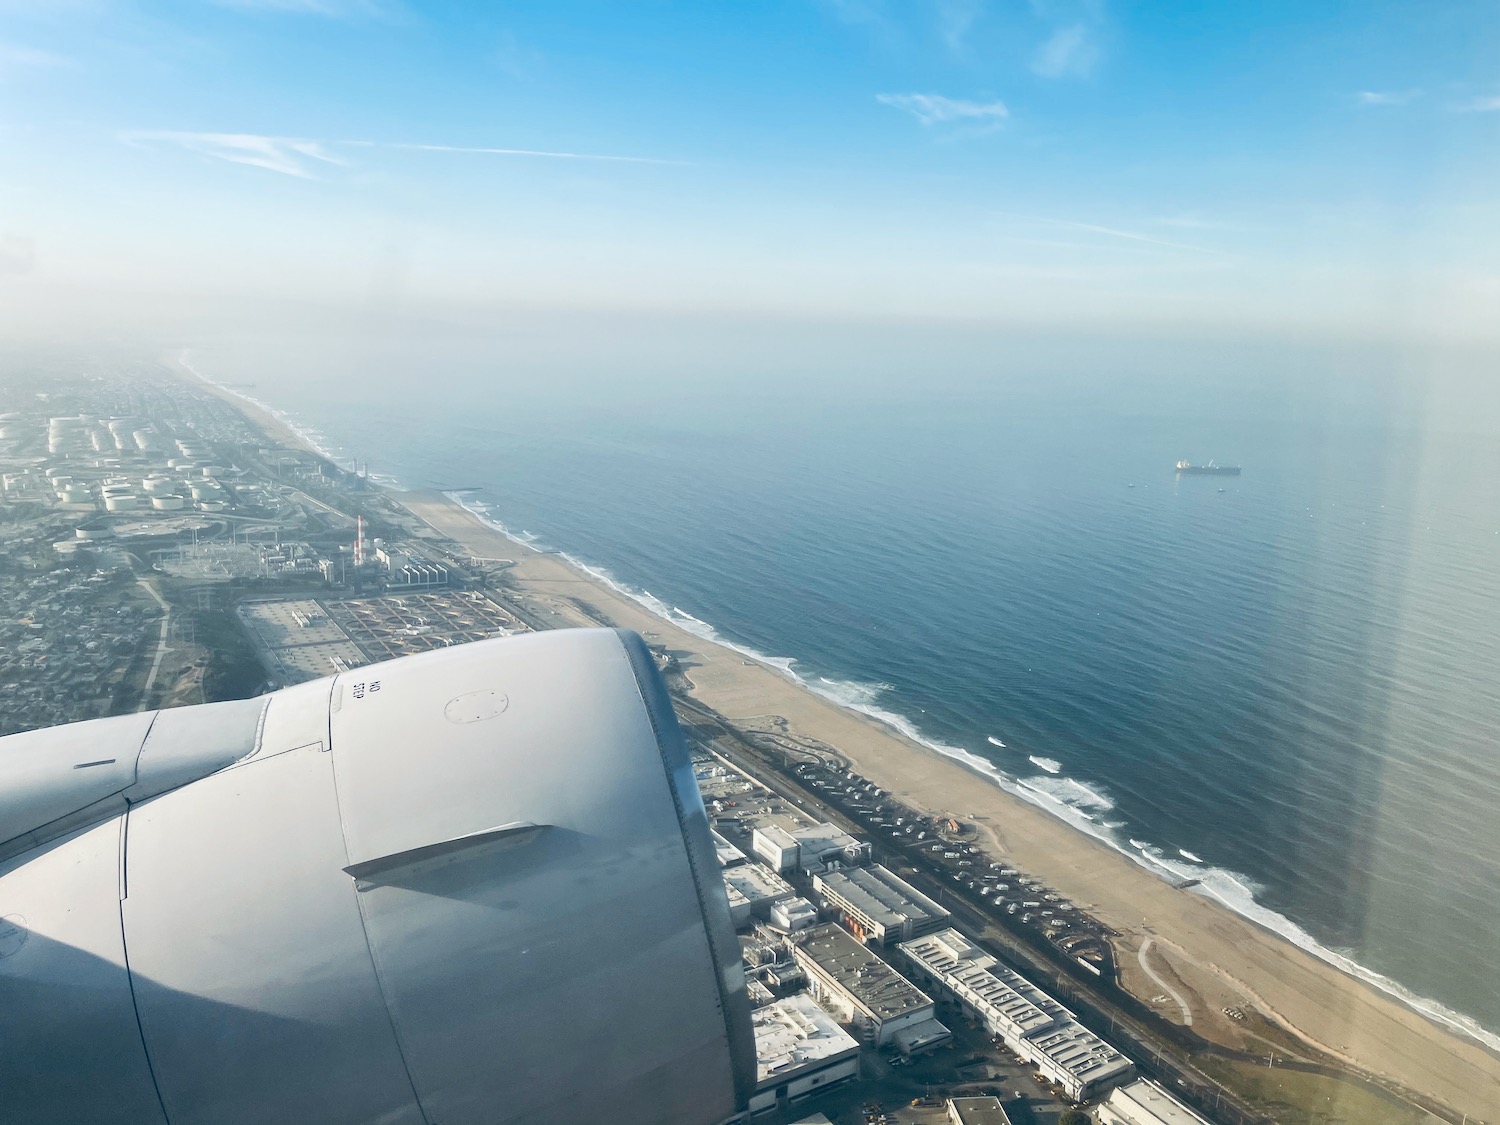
(72, 1052)
(257, 996)
(557, 969)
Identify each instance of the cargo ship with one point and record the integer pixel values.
(1211, 469)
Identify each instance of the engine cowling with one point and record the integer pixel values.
(475, 885)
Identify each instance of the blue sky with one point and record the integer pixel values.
(1306, 166)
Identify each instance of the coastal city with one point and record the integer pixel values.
(159, 547)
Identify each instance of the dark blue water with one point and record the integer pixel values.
(1288, 675)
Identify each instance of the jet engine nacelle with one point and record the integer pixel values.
(475, 885)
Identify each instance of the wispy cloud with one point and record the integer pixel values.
(546, 153)
(1070, 53)
(14, 58)
(515, 59)
(870, 13)
(291, 156)
(302, 157)
(338, 9)
(1488, 104)
(935, 109)
(955, 18)
(1191, 222)
(1387, 97)
(1108, 232)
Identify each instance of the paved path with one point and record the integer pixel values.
(1187, 1013)
(161, 643)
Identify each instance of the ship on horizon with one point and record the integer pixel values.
(1213, 468)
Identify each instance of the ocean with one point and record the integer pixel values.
(1283, 683)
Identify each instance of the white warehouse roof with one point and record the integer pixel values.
(795, 1034)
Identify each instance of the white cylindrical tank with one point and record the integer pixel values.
(121, 504)
(158, 486)
(144, 440)
(167, 503)
(212, 505)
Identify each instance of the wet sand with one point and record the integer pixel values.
(1321, 1004)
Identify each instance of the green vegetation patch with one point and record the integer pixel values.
(1294, 1097)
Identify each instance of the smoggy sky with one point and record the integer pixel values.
(1308, 165)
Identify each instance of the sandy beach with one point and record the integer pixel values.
(1201, 946)
(1199, 955)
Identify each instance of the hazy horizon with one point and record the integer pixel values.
(1319, 173)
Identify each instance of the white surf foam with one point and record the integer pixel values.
(315, 440)
(1065, 798)
(1232, 890)
(1187, 855)
(993, 741)
(1051, 765)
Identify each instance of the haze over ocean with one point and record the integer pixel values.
(1282, 683)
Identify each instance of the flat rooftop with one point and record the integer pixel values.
(795, 1034)
(1080, 1052)
(728, 855)
(856, 970)
(978, 1111)
(950, 956)
(880, 896)
(754, 883)
(822, 838)
(1146, 1103)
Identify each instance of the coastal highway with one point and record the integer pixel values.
(1161, 1049)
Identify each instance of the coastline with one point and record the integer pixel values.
(1199, 940)
(1332, 1010)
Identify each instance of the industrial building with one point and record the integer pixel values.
(1143, 1102)
(977, 1111)
(866, 993)
(752, 890)
(877, 905)
(809, 849)
(799, 1050)
(793, 914)
(408, 571)
(1031, 1023)
(726, 853)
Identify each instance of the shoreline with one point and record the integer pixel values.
(1191, 875)
(1329, 1006)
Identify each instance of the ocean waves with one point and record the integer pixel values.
(1077, 802)
(1240, 688)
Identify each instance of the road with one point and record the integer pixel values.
(161, 644)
